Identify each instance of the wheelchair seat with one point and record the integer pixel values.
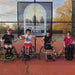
(52, 53)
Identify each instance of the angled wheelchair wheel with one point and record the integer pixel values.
(61, 52)
(33, 52)
(1, 53)
(1, 50)
(9, 57)
(55, 52)
(41, 52)
(14, 52)
(21, 53)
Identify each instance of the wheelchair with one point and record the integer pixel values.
(8, 56)
(32, 53)
(68, 53)
(61, 52)
(51, 54)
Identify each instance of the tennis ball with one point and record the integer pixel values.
(63, 54)
(53, 50)
(55, 54)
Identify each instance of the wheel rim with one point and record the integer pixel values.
(21, 52)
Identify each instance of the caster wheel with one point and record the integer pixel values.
(53, 59)
(23, 59)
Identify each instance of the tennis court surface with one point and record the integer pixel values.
(36, 66)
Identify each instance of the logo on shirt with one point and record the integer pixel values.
(8, 36)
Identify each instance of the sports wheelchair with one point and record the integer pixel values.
(49, 53)
(68, 53)
(32, 53)
(61, 52)
(8, 56)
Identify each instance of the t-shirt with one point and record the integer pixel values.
(47, 40)
(28, 39)
(8, 38)
(68, 41)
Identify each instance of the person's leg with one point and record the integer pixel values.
(66, 52)
(25, 49)
(10, 49)
(6, 47)
(71, 53)
(25, 52)
(28, 50)
(27, 57)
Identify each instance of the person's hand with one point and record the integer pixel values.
(1, 40)
(42, 44)
(54, 39)
(73, 42)
(64, 46)
(15, 40)
(20, 37)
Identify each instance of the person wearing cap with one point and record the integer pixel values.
(7, 38)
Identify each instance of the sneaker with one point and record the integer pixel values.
(8, 56)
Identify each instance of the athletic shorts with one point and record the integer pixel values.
(27, 45)
(48, 47)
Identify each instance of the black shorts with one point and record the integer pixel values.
(7, 44)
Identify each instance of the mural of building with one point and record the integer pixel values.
(35, 16)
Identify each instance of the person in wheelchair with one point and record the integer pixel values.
(68, 44)
(47, 42)
(7, 38)
(28, 42)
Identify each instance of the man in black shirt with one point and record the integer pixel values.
(7, 38)
(47, 42)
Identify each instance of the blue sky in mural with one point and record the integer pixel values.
(8, 8)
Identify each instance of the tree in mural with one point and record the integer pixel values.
(64, 13)
(14, 26)
(3, 29)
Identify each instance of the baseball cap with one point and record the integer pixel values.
(8, 29)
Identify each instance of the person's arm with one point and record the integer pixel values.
(13, 39)
(52, 41)
(22, 36)
(42, 40)
(64, 42)
(73, 41)
(2, 39)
